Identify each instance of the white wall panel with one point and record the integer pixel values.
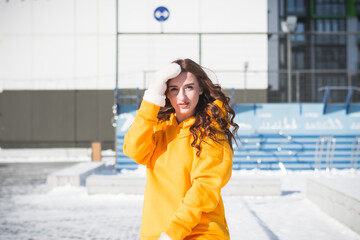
(53, 16)
(86, 56)
(137, 16)
(15, 58)
(194, 16)
(15, 17)
(142, 53)
(67, 44)
(234, 16)
(53, 62)
(107, 11)
(86, 16)
(107, 62)
(185, 16)
(229, 53)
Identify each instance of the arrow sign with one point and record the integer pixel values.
(161, 14)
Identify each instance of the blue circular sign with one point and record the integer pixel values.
(161, 14)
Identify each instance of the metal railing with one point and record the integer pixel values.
(324, 149)
(355, 152)
(305, 84)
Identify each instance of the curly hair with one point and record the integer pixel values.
(210, 120)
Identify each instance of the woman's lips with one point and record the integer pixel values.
(183, 105)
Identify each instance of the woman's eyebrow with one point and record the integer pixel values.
(188, 84)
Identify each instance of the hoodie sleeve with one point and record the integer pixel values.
(139, 142)
(210, 172)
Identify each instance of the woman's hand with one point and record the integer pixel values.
(156, 91)
(164, 236)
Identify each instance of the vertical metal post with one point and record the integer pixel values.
(289, 65)
(245, 87)
(232, 96)
(116, 78)
(144, 79)
(324, 101)
(348, 99)
(117, 45)
(330, 147)
(349, 78)
(246, 65)
(297, 86)
(318, 154)
(200, 48)
(355, 151)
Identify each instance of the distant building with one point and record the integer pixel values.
(58, 58)
(325, 48)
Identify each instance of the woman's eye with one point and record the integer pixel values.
(189, 87)
(173, 89)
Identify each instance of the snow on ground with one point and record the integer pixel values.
(70, 213)
(29, 211)
(286, 217)
(51, 155)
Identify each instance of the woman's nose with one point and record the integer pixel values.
(182, 94)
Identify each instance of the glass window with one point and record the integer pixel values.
(300, 27)
(330, 7)
(330, 57)
(342, 24)
(300, 8)
(301, 60)
(334, 9)
(358, 25)
(295, 7)
(298, 60)
(301, 5)
(330, 25)
(342, 28)
(282, 54)
(342, 58)
(282, 13)
(335, 59)
(317, 8)
(319, 25)
(342, 8)
(327, 25)
(319, 28)
(290, 6)
(335, 26)
(326, 7)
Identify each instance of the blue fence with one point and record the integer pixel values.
(274, 135)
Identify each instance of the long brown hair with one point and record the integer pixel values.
(206, 111)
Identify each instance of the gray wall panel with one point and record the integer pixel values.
(72, 118)
(53, 115)
(86, 116)
(16, 116)
(56, 118)
(1, 119)
(106, 101)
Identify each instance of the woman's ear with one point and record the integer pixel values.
(201, 91)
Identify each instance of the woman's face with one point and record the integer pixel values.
(183, 93)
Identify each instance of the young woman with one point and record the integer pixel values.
(182, 134)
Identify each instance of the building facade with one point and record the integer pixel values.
(58, 59)
(325, 49)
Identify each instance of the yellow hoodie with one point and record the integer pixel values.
(182, 194)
